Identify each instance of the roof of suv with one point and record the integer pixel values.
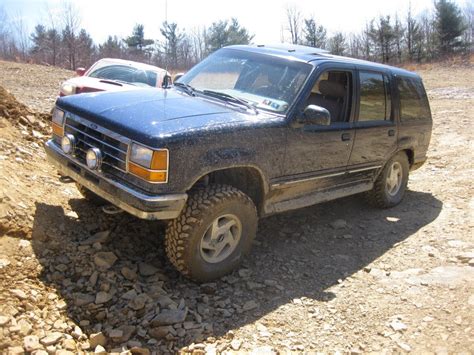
(314, 56)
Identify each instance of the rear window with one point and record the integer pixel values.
(413, 100)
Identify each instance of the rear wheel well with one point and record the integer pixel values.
(411, 156)
(246, 179)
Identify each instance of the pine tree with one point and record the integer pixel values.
(225, 33)
(86, 50)
(40, 44)
(138, 45)
(383, 37)
(173, 39)
(315, 36)
(337, 44)
(111, 48)
(449, 26)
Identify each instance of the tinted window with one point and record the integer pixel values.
(413, 101)
(374, 97)
(127, 74)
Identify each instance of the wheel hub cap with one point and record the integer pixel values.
(221, 238)
(394, 179)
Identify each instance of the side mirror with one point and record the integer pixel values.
(315, 115)
(166, 81)
(80, 71)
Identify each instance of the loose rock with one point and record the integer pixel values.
(103, 297)
(97, 339)
(147, 269)
(168, 317)
(51, 339)
(31, 343)
(105, 259)
(248, 306)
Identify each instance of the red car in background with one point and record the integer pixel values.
(114, 74)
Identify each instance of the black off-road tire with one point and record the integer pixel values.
(378, 196)
(184, 234)
(90, 196)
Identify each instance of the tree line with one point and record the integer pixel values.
(61, 41)
(393, 39)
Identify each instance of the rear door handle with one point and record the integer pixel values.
(346, 136)
(391, 132)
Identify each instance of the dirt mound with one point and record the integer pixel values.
(34, 126)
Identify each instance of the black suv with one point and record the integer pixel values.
(248, 132)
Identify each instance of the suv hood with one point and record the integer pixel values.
(147, 114)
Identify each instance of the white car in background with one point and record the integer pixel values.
(110, 74)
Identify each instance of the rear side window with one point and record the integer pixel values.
(375, 101)
(413, 100)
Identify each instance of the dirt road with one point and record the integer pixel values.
(340, 276)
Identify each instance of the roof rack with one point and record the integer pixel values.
(295, 48)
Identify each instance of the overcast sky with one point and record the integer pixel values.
(264, 19)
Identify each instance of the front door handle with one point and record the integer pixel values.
(391, 132)
(346, 136)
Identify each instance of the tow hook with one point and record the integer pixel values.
(65, 179)
(111, 209)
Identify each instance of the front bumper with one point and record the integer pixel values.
(130, 200)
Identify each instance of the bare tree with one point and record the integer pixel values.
(468, 35)
(21, 35)
(7, 44)
(294, 18)
(428, 38)
(71, 24)
(54, 37)
(399, 32)
(199, 42)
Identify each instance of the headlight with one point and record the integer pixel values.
(58, 117)
(68, 89)
(148, 164)
(58, 122)
(141, 155)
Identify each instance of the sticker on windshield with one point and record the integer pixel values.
(271, 104)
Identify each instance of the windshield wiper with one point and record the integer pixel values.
(230, 98)
(116, 82)
(186, 87)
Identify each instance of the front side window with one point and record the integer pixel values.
(375, 103)
(332, 91)
(268, 83)
(413, 101)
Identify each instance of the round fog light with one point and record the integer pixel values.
(94, 158)
(68, 143)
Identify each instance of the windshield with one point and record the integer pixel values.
(268, 83)
(126, 74)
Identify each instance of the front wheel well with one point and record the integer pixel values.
(247, 179)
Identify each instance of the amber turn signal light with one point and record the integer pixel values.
(58, 130)
(159, 161)
(146, 174)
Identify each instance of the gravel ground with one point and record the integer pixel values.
(339, 276)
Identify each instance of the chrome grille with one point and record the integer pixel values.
(88, 135)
